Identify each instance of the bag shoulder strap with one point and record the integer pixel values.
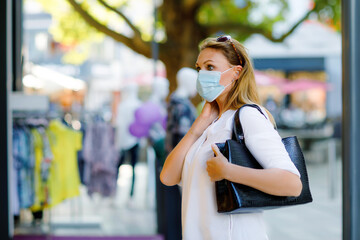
(238, 133)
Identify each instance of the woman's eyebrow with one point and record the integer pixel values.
(209, 60)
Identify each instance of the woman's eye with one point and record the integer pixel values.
(210, 67)
(198, 68)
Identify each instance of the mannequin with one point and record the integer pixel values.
(127, 144)
(160, 90)
(186, 83)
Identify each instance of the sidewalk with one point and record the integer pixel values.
(321, 219)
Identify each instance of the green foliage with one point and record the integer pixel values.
(252, 14)
(240, 18)
(329, 12)
(71, 30)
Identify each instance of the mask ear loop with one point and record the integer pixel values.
(233, 79)
(229, 83)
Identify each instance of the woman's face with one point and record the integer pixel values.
(211, 59)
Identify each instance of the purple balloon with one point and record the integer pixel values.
(145, 116)
(148, 113)
(139, 130)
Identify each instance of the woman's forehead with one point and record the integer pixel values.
(211, 54)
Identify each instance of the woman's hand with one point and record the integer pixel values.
(217, 166)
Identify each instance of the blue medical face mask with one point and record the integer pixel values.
(208, 84)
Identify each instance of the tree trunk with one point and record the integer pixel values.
(183, 36)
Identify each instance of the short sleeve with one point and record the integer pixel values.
(264, 142)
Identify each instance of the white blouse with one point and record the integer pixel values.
(200, 219)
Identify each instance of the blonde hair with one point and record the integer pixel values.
(244, 90)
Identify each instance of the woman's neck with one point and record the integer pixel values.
(221, 101)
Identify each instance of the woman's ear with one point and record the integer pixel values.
(238, 69)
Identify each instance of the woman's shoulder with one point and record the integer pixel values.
(251, 116)
(249, 111)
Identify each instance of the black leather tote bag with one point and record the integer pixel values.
(237, 198)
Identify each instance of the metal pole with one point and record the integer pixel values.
(351, 118)
(332, 175)
(6, 223)
(17, 30)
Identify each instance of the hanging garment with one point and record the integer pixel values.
(39, 194)
(80, 154)
(63, 179)
(47, 155)
(43, 160)
(23, 157)
(15, 186)
(101, 159)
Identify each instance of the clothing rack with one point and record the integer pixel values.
(33, 110)
(31, 113)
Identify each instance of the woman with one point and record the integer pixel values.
(226, 81)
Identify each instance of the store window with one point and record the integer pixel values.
(72, 173)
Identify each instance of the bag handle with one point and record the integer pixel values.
(238, 133)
